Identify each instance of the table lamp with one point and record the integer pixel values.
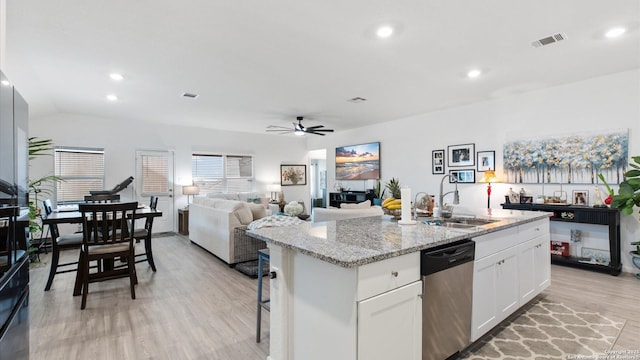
(489, 177)
(274, 189)
(190, 190)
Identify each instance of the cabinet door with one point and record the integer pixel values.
(527, 271)
(542, 263)
(507, 296)
(390, 325)
(484, 312)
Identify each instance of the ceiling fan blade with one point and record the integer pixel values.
(314, 127)
(322, 130)
(278, 127)
(280, 131)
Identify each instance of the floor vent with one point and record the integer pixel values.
(549, 40)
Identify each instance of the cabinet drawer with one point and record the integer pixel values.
(492, 243)
(534, 229)
(385, 275)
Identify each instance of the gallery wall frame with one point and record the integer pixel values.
(293, 175)
(581, 197)
(464, 176)
(461, 155)
(437, 161)
(486, 160)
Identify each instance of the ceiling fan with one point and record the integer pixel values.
(299, 129)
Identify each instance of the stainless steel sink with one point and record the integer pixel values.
(459, 222)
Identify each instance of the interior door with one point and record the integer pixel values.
(154, 171)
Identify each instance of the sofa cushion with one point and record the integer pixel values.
(226, 196)
(257, 211)
(238, 208)
(362, 205)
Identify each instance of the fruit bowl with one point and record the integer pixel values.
(396, 213)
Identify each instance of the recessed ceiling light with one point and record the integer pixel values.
(615, 32)
(474, 73)
(112, 97)
(116, 77)
(384, 31)
(5, 82)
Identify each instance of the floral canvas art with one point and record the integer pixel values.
(570, 159)
(293, 175)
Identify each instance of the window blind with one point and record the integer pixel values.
(81, 171)
(154, 175)
(222, 173)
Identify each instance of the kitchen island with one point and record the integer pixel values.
(351, 289)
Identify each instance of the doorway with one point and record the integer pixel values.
(154, 170)
(318, 178)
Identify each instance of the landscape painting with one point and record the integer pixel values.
(358, 162)
(570, 159)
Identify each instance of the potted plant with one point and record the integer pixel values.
(378, 193)
(629, 197)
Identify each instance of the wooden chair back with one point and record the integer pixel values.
(105, 223)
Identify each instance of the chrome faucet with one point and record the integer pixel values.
(415, 204)
(456, 196)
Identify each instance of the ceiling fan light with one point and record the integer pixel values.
(299, 132)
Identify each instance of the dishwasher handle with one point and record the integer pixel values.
(446, 257)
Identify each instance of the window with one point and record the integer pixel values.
(154, 175)
(222, 173)
(81, 171)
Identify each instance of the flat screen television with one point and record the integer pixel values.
(358, 162)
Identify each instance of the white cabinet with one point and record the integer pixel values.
(390, 324)
(511, 267)
(533, 267)
(495, 291)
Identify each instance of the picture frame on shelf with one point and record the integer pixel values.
(291, 175)
(486, 160)
(595, 256)
(526, 199)
(464, 176)
(581, 197)
(437, 161)
(461, 155)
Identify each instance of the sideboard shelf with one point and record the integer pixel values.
(583, 215)
(349, 197)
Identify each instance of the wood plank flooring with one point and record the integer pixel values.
(196, 307)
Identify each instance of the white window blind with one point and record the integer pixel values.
(222, 173)
(154, 175)
(81, 171)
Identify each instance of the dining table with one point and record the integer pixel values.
(75, 217)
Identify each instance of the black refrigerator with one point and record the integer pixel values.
(14, 193)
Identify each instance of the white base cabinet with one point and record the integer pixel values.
(390, 325)
(511, 267)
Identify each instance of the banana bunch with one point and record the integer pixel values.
(392, 203)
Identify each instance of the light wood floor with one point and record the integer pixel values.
(196, 307)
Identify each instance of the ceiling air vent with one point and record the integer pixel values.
(190, 95)
(549, 40)
(357, 100)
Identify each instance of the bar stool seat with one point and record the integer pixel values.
(263, 256)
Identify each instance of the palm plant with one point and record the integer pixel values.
(43, 185)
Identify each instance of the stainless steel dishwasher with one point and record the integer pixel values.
(447, 280)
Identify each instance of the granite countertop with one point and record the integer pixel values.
(355, 242)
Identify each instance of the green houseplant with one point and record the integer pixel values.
(378, 193)
(41, 186)
(627, 198)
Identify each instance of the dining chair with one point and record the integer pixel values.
(144, 234)
(60, 243)
(106, 237)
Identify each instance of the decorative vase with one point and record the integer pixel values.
(377, 201)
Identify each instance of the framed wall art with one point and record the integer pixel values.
(464, 176)
(461, 155)
(293, 175)
(437, 161)
(486, 160)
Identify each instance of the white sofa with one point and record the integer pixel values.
(327, 214)
(217, 225)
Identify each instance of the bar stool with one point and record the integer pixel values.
(263, 256)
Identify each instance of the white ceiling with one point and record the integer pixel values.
(256, 62)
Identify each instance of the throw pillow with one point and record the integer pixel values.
(364, 204)
(258, 211)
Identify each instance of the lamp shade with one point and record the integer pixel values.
(190, 190)
(489, 177)
(273, 187)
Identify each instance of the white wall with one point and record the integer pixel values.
(121, 138)
(598, 104)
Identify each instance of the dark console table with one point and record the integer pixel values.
(349, 197)
(585, 215)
